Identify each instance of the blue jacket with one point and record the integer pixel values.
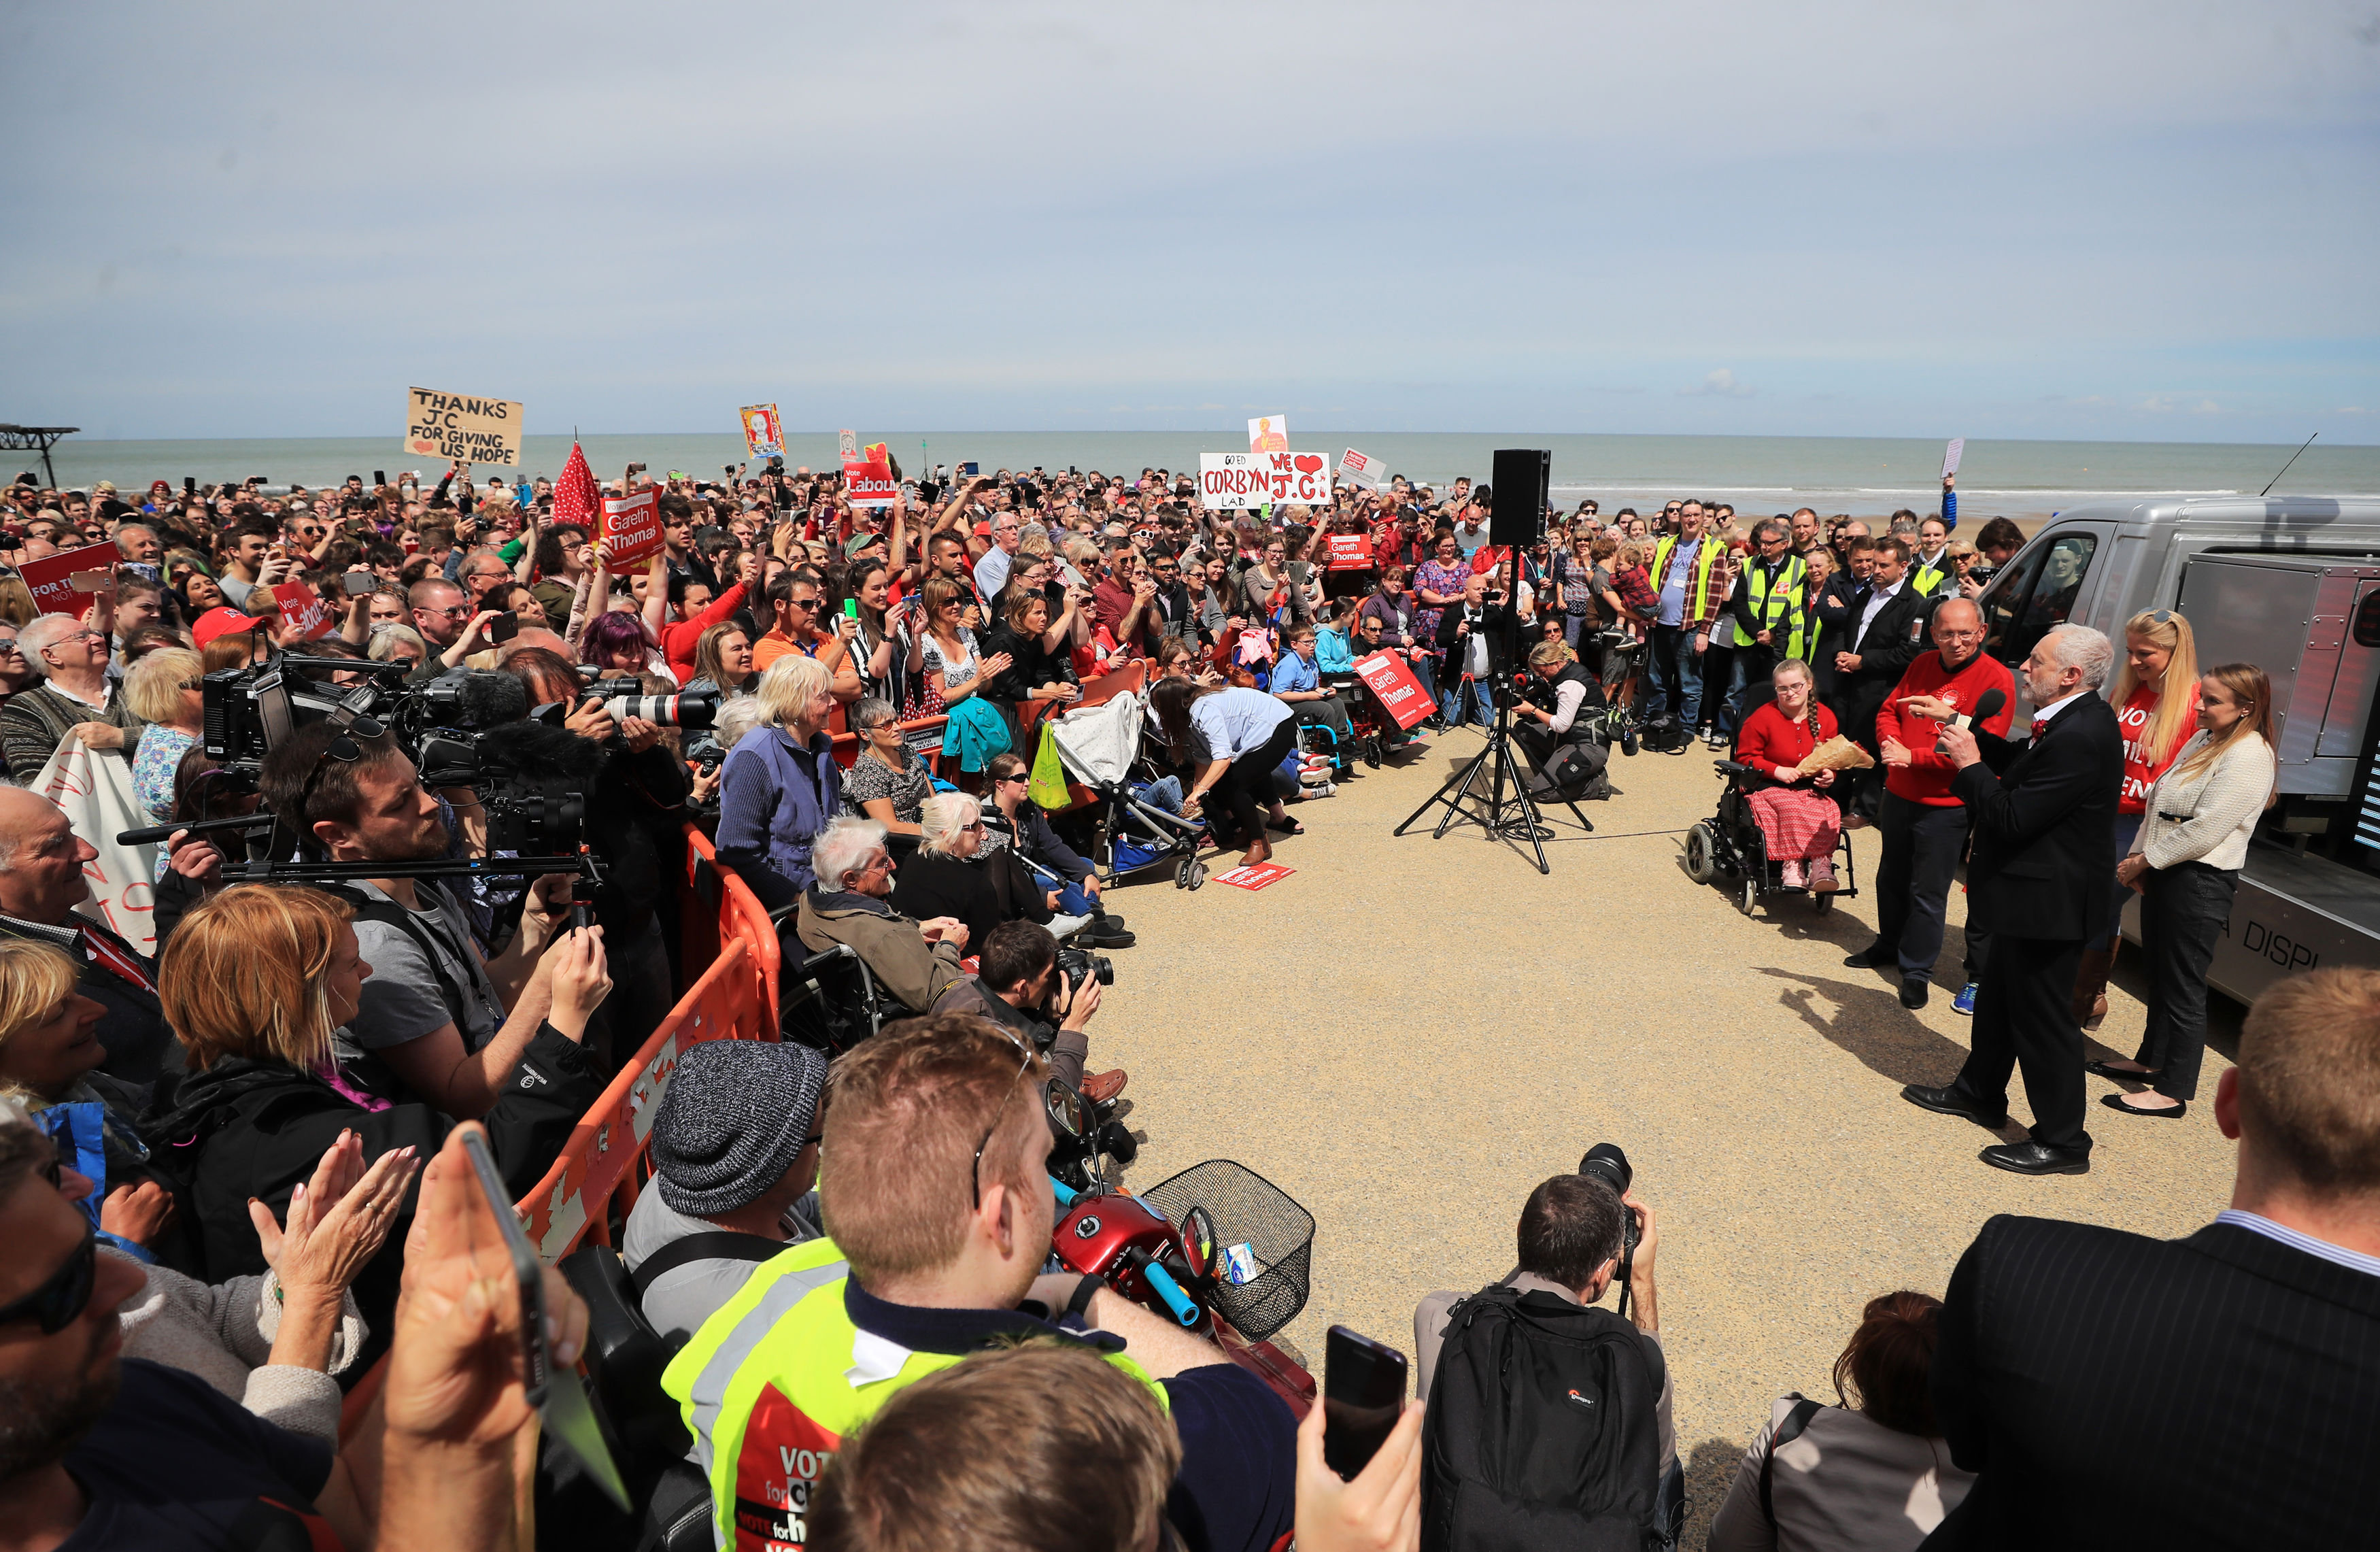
(1330, 653)
(774, 797)
(974, 732)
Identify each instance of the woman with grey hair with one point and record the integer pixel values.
(888, 783)
(943, 878)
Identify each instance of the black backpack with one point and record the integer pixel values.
(1542, 1430)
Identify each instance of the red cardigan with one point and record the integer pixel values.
(1768, 740)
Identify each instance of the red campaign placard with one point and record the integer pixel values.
(867, 481)
(1254, 876)
(47, 578)
(1400, 693)
(301, 609)
(631, 528)
(1350, 552)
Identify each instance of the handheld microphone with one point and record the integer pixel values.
(1986, 705)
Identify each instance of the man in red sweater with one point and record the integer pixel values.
(1923, 825)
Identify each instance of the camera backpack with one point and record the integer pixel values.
(1542, 1430)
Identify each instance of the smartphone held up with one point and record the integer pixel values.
(1363, 1396)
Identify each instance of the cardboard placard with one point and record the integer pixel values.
(764, 434)
(95, 787)
(1349, 552)
(1360, 468)
(1269, 433)
(462, 428)
(1254, 876)
(302, 610)
(1951, 454)
(1391, 679)
(1243, 481)
(48, 577)
(631, 528)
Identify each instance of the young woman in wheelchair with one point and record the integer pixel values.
(1797, 819)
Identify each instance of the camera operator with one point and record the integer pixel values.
(940, 1200)
(635, 789)
(1538, 1321)
(1561, 707)
(449, 1027)
(1017, 983)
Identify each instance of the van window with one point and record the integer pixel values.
(2037, 597)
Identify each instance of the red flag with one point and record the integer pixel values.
(574, 498)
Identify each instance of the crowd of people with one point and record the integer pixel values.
(234, 1172)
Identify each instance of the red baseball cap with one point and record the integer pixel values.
(223, 620)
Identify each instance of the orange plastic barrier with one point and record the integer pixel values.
(598, 1168)
(735, 916)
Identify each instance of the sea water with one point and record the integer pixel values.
(1864, 476)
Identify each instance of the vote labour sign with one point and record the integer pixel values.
(1243, 481)
(868, 477)
(461, 428)
(631, 528)
(1358, 468)
(302, 612)
(1388, 677)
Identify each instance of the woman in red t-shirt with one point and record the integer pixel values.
(2158, 651)
(1800, 822)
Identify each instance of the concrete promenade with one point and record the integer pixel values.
(1407, 1035)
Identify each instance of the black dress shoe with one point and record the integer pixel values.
(2171, 1112)
(1107, 935)
(2101, 1069)
(1950, 1101)
(1913, 992)
(1875, 956)
(2029, 1158)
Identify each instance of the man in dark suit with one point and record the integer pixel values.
(2045, 849)
(2219, 1391)
(1888, 632)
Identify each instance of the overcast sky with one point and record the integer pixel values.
(2152, 221)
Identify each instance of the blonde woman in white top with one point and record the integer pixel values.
(2185, 862)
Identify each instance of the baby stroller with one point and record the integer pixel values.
(1728, 849)
(1622, 652)
(1097, 744)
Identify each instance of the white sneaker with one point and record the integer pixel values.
(1325, 790)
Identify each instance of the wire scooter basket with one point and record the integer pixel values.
(1247, 1209)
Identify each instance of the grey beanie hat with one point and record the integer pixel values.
(732, 1121)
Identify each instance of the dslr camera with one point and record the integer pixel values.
(1607, 1163)
(1078, 966)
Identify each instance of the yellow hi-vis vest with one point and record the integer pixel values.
(1928, 579)
(1698, 598)
(1784, 614)
(773, 1382)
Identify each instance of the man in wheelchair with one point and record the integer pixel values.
(915, 961)
(1799, 822)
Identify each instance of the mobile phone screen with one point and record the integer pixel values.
(562, 1404)
(1364, 1391)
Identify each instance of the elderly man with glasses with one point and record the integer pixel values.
(75, 696)
(1924, 823)
(915, 961)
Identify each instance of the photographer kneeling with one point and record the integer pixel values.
(449, 1027)
(1017, 983)
(1562, 707)
(1540, 1404)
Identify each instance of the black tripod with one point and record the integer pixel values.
(1507, 817)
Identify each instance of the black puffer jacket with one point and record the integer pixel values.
(243, 1128)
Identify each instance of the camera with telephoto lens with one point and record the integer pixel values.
(626, 697)
(1078, 966)
(1605, 1162)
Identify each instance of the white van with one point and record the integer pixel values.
(2293, 584)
